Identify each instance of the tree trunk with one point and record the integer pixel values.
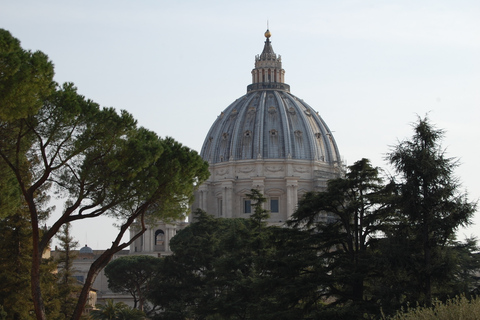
(36, 260)
(35, 279)
(106, 257)
(95, 268)
(427, 262)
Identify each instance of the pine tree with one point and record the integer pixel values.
(344, 222)
(430, 204)
(133, 275)
(68, 287)
(260, 214)
(15, 261)
(236, 269)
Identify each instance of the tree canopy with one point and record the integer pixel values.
(346, 255)
(96, 160)
(25, 79)
(68, 285)
(116, 311)
(236, 269)
(343, 222)
(430, 204)
(133, 275)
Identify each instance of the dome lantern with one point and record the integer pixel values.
(268, 72)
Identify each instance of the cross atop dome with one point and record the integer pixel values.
(268, 72)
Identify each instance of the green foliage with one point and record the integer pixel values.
(344, 221)
(25, 79)
(430, 208)
(10, 195)
(453, 309)
(260, 214)
(116, 311)
(133, 275)
(176, 174)
(14, 267)
(96, 160)
(68, 287)
(3, 314)
(236, 269)
(340, 260)
(15, 263)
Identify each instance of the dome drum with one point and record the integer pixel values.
(267, 86)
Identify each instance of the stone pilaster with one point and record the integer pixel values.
(292, 195)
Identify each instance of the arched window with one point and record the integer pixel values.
(159, 237)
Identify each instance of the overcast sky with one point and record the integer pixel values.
(368, 67)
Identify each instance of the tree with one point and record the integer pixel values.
(98, 162)
(430, 205)
(15, 264)
(10, 195)
(236, 269)
(343, 222)
(25, 79)
(67, 284)
(133, 275)
(260, 214)
(116, 311)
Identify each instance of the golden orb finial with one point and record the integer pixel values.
(268, 34)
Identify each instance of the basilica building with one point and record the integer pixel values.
(269, 140)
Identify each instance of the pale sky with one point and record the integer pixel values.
(368, 67)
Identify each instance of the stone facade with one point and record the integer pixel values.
(156, 240)
(282, 181)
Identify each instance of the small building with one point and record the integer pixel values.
(81, 265)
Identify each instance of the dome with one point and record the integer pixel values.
(269, 122)
(268, 140)
(86, 249)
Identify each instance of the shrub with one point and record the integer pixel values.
(458, 308)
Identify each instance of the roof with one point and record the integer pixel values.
(269, 122)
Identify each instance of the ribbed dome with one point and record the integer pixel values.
(269, 124)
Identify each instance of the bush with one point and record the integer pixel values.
(453, 309)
